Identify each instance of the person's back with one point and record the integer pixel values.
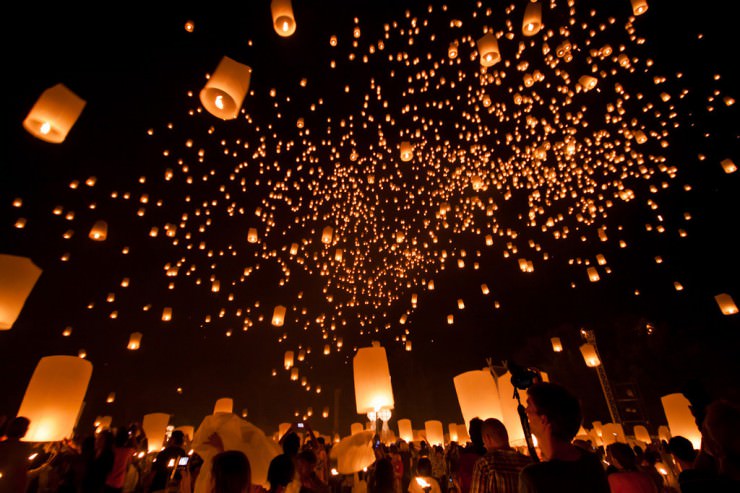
(165, 461)
(230, 472)
(498, 470)
(625, 476)
(383, 478)
(310, 481)
(470, 455)
(14, 456)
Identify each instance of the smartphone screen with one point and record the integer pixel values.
(183, 461)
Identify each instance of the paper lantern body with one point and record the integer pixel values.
(589, 355)
(724, 300)
(355, 428)
(435, 432)
(372, 378)
(532, 22)
(407, 151)
(288, 360)
(54, 397)
(155, 428)
(488, 51)
(223, 94)
(452, 431)
(134, 341)
(282, 17)
(99, 231)
(680, 420)
(477, 395)
(639, 7)
(611, 433)
(54, 114)
(224, 405)
(405, 431)
(557, 345)
(18, 276)
(278, 316)
(327, 235)
(641, 433)
(283, 429)
(509, 404)
(463, 436)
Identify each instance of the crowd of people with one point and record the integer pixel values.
(116, 460)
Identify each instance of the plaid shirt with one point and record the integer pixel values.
(498, 471)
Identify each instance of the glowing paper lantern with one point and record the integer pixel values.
(278, 316)
(681, 421)
(641, 433)
(99, 231)
(407, 151)
(488, 50)
(373, 390)
(509, 409)
(593, 274)
(54, 397)
(611, 433)
(478, 395)
(587, 82)
(18, 276)
(111, 398)
(452, 50)
(435, 432)
(134, 341)
(405, 431)
(294, 373)
(639, 7)
(282, 17)
(356, 428)
(155, 429)
(664, 434)
(725, 302)
(223, 94)
(224, 405)
(326, 235)
(54, 114)
(532, 22)
(557, 346)
(452, 431)
(166, 314)
(728, 165)
(252, 236)
(590, 356)
(462, 434)
(288, 360)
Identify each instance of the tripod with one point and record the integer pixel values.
(525, 426)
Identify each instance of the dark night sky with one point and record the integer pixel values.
(135, 68)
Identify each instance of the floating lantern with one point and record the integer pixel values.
(639, 7)
(166, 314)
(532, 22)
(288, 360)
(612, 433)
(325, 413)
(54, 397)
(477, 395)
(725, 302)
(407, 346)
(641, 433)
(462, 434)
(282, 17)
(252, 236)
(405, 432)
(278, 316)
(664, 434)
(327, 235)
(450, 319)
(134, 341)
(484, 289)
(593, 274)
(18, 276)
(155, 429)
(590, 356)
(223, 94)
(681, 421)
(488, 50)
(407, 151)
(587, 82)
(189, 26)
(452, 50)
(435, 432)
(294, 374)
(99, 231)
(111, 398)
(728, 165)
(283, 428)
(557, 346)
(224, 405)
(452, 431)
(373, 390)
(54, 114)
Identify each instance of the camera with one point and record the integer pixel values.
(522, 378)
(300, 424)
(183, 461)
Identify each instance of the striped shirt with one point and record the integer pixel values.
(498, 471)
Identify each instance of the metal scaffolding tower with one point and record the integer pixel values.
(588, 336)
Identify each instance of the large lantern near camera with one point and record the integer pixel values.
(155, 429)
(224, 405)
(681, 421)
(509, 411)
(488, 51)
(532, 22)
(282, 17)
(18, 276)
(54, 397)
(373, 389)
(223, 94)
(435, 432)
(54, 114)
(477, 395)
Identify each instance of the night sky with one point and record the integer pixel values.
(556, 178)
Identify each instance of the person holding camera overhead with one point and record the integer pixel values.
(160, 473)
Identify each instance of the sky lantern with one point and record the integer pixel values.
(587, 82)
(488, 50)
(681, 421)
(435, 432)
(557, 346)
(18, 276)
(166, 314)
(252, 236)
(373, 389)
(99, 231)
(282, 17)
(407, 151)
(453, 50)
(54, 397)
(590, 356)
(405, 432)
(593, 274)
(462, 434)
(612, 433)
(288, 360)
(728, 165)
(509, 411)
(224, 405)
(641, 433)
(111, 398)
(532, 22)
(725, 302)
(155, 429)
(54, 114)
(325, 412)
(639, 7)
(408, 346)
(278, 316)
(327, 235)
(134, 341)
(477, 395)
(223, 94)
(452, 431)
(294, 374)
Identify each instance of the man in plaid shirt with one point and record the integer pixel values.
(498, 470)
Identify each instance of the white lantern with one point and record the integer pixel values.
(478, 395)
(681, 421)
(373, 390)
(18, 276)
(282, 17)
(224, 405)
(54, 114)
(326, 235)
(54, 397)
(223, 94)
(155, 429)
(405, 431)
(435, 432)
(641, 433)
